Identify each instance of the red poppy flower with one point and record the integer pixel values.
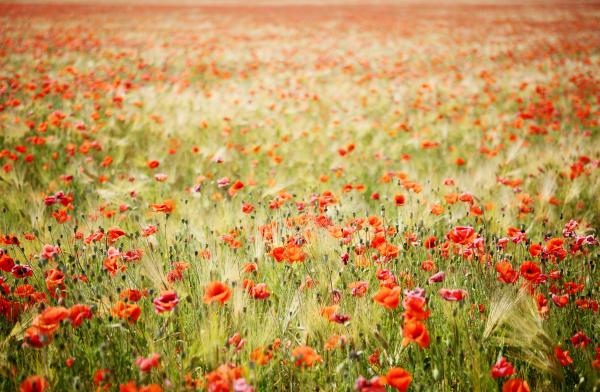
(530, 270)
(563, 356)
(453, 295)
(78, 313)
(259, 291)
(147, 364)
(502, 368)
(235, 188)
(399, 199)
(34, 384)
(114, 233)
(462, 235)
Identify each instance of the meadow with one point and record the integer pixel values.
(299, 198)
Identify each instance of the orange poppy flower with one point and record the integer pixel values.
(49, 320)
(166, 207)
(388, 250)
(217, 292)
(398, 379)
(261, 356)
(249, 267)
(151, 388)
(295, 254)
(305, 356)
(515, 385)
(415, 331)
(388, 297)
(506, 272)
(129, 312)
(335, 341)
(451, 198)
(55, 282)
(359, 288)
(329, 311)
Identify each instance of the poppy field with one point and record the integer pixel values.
(299, 198)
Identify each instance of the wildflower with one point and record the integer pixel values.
(399, 200)
(580, 340)
(560, 300)
(415, 331)
(515, 385)
(21, 271)
(217, 292)
(358, 289)
(259, 291)
(502, 368)
(335, 341)
(223, 378)
(147, 364)
(55, 282)
(149, 230)
(235, 188)
(167, 301)
(398, 379)
(78, 313)
(506, 272)
(414, 308)
(563, 356)
(305, 356)
(461, 235)
(34, 384)
(261, 356)
(530, 270)
(129, 312)
(247, 208)
(114, 233)
(436, 278)
(453, 295)
(375, 384)
(166, 207)
(390, 298)
(50, 251)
